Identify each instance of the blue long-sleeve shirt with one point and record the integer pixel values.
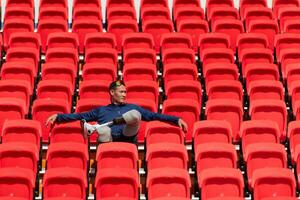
(107, 113)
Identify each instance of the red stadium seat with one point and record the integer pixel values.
(68, 183)
(251, 40)
(288, 13)
(157, 29)
(262, 71)
(168, 182)
(101, 56)
(14, 3)
(175, 40)
(120, 13)
(221, 182)
(293, 90)
(178, 55)
(291, 26)
(94, 71)
(119, 3)
(137, 40)
(89, 4)
(230, 27)
(158, 132)
(211, 131)
(212, 4)
(62, 40)
(264, 155)
(286, 41)
(47, 26)
(267, 132)
(139, 55)
(188, 12)
(228, 110)
(279, 4)
(22, 181)
(153, 3)
(223, 13)
(194, 28)
(94, 89)
(90, 13)
(67, 154)
(166, 155)
(263, 13)
(136, 71)
(53, 13)
(293, 135)
(85, 105)
(274, 110)
(28, 39)
(157, 13)
(292, 73)
(183, 3)
(62, 55)
(99, 40)
(225, 89)
(43, 108)
(213, 40)
(53, 3)
(119, 28)
(117, 183)
(217, 55)
(266, 89)
(270, 182)
(187, 109)
(22, 131)
(82, 27)
(245, 4)
(287, 57)
(117, 155)
(18, 13)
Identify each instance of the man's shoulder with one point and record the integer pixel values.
(132, 105)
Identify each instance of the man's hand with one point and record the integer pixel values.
(182, 124)
(51, 120)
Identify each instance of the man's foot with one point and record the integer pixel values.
(119, 121)
(86, 128)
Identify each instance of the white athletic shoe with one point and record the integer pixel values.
(86, 128)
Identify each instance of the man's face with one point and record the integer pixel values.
(118, 95)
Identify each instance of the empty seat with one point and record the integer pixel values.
(53, 13)
(182, 3)
(101, 56)
(292, 73)
(120, 13)
(22, 131)
(251, 40)
(47, 26)
(230, 27)
(137, 40)
(223, 13)
(89, 4)
(279, 4)
(213, 40)
(293, 90)
(59, 71)
(264, 155)
(270, 182)
(166, 155)
(187, 12)
(14, 3)
(43, 108)
(293, 135)
(194, 28)
(286, 41)
(16, 26)
(287, 57)
(221, 182)
(179, 71)
(291, 26)
(188, 90)
(211, 131)
(121, 183)
(18, 13)
(214, 155)
(53, 3)
(120, 28)
(94, 71)
(268, 27)
(267, 132)
(255, 55)
(250, 14)
(142, 90)
(220, 71)
(94, 89)
(168, 182)
(175, 40)
(187, 109)
(245, 4)
(59, 182)
(22, 181)
(27, 39)
(157, 13)
(265, 89)
(228, 110)
(90, 13)
(67, 154)
(67, 132)
(62, 40)
(153, 3)
(62, 55)
(262, 71)
(99, 40)
(82, 27)
(19, 155)
(158, 132)
(225, 89)
(178, 55)
(274, 110)
(118, 155)
(217, 55)
(139, 55)
(55, 89)
(212, 4)
(136, 71)
(288, 13)
(118, 3)
(156, 29)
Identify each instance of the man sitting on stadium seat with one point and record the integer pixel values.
(121, 120)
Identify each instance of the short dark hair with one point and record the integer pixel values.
(116, 84)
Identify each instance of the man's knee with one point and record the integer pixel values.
(104, 134)
(132, 117)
